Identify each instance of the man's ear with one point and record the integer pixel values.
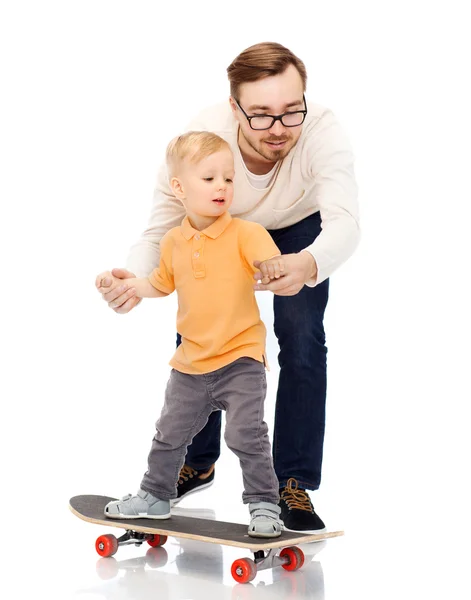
(177, 188)
(233, 105)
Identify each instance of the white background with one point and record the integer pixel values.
(91, 93)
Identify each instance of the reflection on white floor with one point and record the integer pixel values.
(198, 571)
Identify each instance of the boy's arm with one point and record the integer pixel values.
(160, 282)
(144, 288)
(257, 246)
(261, 253)
(161, 278)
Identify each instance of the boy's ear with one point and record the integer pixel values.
(177, 188)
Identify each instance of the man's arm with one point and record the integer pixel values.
(166, 212)
(331, 165)
(121, 284)
(144, 256)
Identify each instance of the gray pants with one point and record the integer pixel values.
(238, 388)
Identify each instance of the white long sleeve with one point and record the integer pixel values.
(316, 176)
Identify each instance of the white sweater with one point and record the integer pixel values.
(317, 175)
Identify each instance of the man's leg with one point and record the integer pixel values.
(205, 448)
(300, 405)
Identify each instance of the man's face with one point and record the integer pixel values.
(275, 96)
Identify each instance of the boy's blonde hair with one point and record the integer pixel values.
(192, 146)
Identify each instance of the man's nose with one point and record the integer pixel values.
(277, 128)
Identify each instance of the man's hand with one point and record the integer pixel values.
(114, 290)
(297, 270)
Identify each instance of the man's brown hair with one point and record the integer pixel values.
(260, 61)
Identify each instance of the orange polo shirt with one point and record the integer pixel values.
(212, 271)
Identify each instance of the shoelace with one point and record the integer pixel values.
(296, 498)
(186, 473)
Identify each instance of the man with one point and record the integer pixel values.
(294, 175)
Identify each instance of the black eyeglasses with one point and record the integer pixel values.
(288, 119)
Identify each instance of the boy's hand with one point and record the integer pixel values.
(299, 268)
(273, 268)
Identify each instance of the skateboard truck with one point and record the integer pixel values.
(269, 560)
(136, 538)
(245, 569)
(107, 545)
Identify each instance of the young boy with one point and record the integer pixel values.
(220, 363)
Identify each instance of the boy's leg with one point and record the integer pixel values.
(205, 448)
(185, 412)
(240, 389)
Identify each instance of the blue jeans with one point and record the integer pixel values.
(298, 436)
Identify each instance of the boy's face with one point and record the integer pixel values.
(206, 188)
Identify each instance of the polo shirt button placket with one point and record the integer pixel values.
(197, 252)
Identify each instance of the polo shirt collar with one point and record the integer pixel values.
(213, 231)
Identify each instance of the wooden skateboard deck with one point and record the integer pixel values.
(155, 532)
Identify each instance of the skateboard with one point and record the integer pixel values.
(155, 533)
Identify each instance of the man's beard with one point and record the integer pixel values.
(271, 155)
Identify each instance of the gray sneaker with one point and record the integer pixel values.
(265, 522)
(141, 506)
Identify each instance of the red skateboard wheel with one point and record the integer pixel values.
(296, 558)
(157, 540)
(243, 570)
(106, 545)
